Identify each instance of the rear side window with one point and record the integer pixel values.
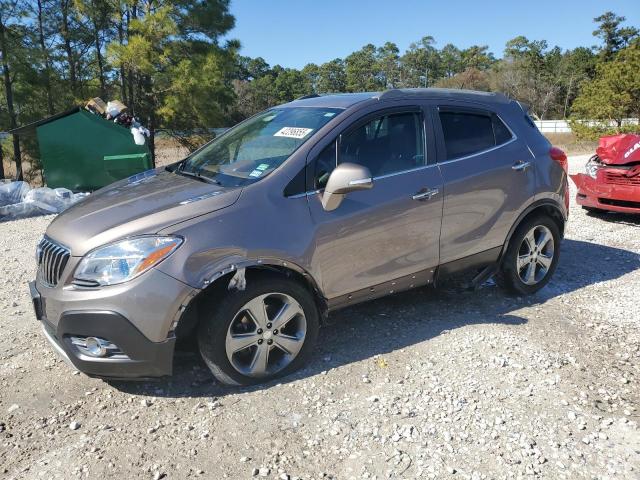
(466, 133)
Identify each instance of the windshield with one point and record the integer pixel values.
(258, 146)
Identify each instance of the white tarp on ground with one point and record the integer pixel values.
(19, 200)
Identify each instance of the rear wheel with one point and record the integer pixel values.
(531, 257)
(264, 332)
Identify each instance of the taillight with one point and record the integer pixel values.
(559, 156)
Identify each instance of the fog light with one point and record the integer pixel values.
(95, 347)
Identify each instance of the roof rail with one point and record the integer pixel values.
(311, 95)
(441, 92)
(390, 93)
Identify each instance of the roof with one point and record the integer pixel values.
(345, 100)
(335, 100)
(30, 127)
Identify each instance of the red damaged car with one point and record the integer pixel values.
(612, 178)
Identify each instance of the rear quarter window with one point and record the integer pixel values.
(500, 130)
(466, 133)
(470, 132)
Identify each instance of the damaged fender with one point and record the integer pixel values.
(239, 265)
(579, 179)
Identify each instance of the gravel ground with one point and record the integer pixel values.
(442, 383)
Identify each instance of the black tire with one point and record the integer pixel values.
(508, 276)
(220, 311)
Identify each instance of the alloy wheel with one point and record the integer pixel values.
(266, 335)
(535, 255)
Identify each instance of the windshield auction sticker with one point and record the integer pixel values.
(293, 132)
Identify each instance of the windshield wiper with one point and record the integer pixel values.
(197, 176)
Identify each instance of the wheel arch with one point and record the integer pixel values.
(544, 206)
(252, 269)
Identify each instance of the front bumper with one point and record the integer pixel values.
(593, 193)
(137, 357)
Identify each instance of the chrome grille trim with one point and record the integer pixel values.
(52, 261)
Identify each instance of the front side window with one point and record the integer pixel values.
(466, 133)
(255, 148)
(388, 144)
(324, 165)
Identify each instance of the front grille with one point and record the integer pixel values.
(52, 259)
(621, 179)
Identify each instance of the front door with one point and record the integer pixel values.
(390, 231)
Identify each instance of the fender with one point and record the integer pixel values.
(232, 264)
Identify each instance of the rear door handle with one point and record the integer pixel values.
(519, 166)
(425, 194)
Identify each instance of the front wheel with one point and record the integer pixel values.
(531, 257)
(264, 332)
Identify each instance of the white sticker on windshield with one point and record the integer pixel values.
(256, 173)
(293, 132)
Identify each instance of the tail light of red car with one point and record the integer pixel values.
(559, 156)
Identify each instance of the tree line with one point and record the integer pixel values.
(173, 65)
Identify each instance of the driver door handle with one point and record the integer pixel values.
(520, 166)
(425, 194)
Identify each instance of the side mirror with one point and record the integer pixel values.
(345, 178)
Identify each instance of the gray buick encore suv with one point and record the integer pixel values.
(321, 203)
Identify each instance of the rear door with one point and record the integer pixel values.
(391, 231)
(488, 175)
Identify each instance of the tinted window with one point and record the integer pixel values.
(388, 144)
(466, 133)
(297, 185)
(500, 130)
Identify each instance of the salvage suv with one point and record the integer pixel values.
(302, 209)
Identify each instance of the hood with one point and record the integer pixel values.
(142, 204)
(619, 149)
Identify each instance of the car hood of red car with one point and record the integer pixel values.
(619, 149)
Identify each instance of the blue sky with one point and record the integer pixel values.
(294, 33)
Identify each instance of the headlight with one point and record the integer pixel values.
(592, 167)
(124, 260)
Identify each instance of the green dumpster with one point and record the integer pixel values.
(82, 151)
(122, 166)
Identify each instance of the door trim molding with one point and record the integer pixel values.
(407, 282)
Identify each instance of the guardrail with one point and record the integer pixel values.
(562, 126)
(553, 126)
